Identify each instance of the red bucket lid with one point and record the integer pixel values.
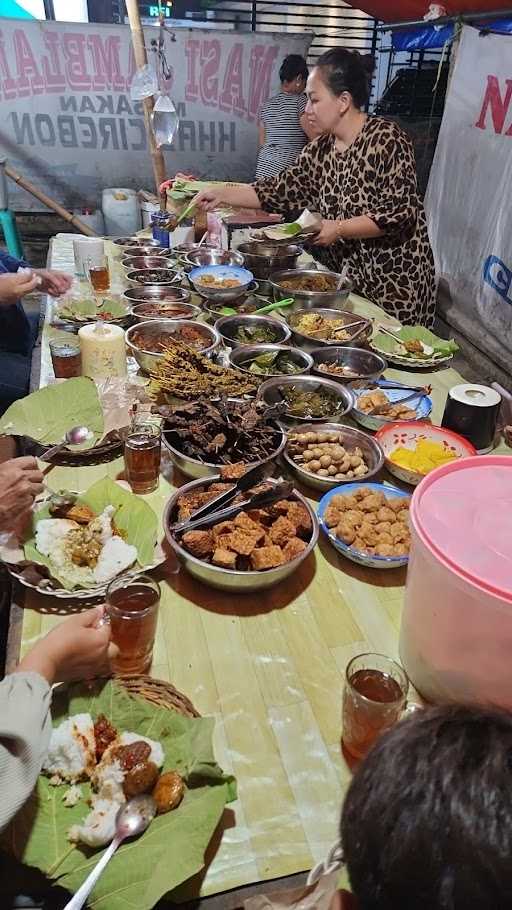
(462, 512)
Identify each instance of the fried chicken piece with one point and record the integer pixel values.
(224, 558)
(385, 549)
(398, 505)
(282, 531)
(346, 532)
(385, 514)
(242, 542)
(267, 558)
(371, 518)
(332, 515)
(361, 494)
(354, 517)
(413, 346)
(339, 502)
(82, 514)
(383, 537)
(367, 533)
(401, 549)
(199, 543)
(246, 523)
(381, 526)
(223, 528)
(293, 548)
(233, 471)
(371, 503)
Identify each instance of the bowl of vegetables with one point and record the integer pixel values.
(241, 330)
(326, 455)
(347, 364)
(412, 449)
(319, 327)
(268, 360)
(308, 398)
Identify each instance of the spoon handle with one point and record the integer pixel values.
(83, 892)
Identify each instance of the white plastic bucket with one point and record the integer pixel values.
(121, 210)
(147, 209)
(94, 219)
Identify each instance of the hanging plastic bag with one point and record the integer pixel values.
(164, 120)
(144, 83)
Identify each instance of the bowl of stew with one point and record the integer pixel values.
(147, 341)
(310, 288)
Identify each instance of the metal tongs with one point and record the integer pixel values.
(258, 501)
(250, 479)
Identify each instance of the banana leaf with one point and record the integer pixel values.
(133, 516)
(441, 346)
(171, 850)
(85, 309)
(46, 415)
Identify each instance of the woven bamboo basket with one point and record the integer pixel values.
(159, 693)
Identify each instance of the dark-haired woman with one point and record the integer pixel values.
(284, 128)
(360, 175)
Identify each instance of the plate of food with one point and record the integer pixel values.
(413, 449)
(368, 523)
(375, 407)
(76, 544)
(222, 282)
(106, 745)
(304, 228)
(79, 311)
(414, 346)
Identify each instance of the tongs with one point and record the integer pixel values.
(251, 478)
(258, 501)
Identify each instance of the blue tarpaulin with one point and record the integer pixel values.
(426, 37)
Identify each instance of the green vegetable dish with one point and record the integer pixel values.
(304, 403)
(255, 334)
(273, 363)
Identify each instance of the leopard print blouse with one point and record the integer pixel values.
(375, 176)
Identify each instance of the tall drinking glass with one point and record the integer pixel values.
(142, 453)
(98, 274)
(374, 698)
(132, 609)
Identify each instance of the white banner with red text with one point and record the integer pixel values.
(468, 196)
(67, 121)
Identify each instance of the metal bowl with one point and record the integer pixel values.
(194, 468)
(211, 308)
(139, 277)
(307, 300)
(372, 452)
(363, 364)
(265, 258)
(229, 579)
(145, 262)
(184, 311)
(309, 343)
(227, 326)
(248, 352)
(136, 241)
(198, 258)
(270, 391)
(148, 360)
(243, 276)
(150, 293)
(144, 250)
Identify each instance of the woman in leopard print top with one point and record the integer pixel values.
(360, 175)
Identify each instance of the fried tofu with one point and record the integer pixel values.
(246, 523)
(260, 516)
(223, 528)
(281, 531)
(199, 543)
(267, 558)
(300, 518)
(224, 558)
(293, 548)
(281, 507)
(242, 542)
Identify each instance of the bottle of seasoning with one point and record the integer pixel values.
(103, 350)
(160, 228)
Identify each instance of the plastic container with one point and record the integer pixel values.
(121, 210)
(147, 209)
(93, 218)
(456, 634)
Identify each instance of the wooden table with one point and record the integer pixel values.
(270, 668)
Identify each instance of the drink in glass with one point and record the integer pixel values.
(374, 699)
(142, 449)
(66, 359)
(98, 273)
(132, 609)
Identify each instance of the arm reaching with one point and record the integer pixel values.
(241, 195)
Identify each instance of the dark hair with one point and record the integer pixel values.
(292, 67)
(427, 821)
(347, 71)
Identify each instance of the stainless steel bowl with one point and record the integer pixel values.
(139, 277)
(136, 241)
(144, 250)
(148, 360)
(309, 343)
(203, 256)
(372, 453)
(362, 364)
(265, 258)
(306, 300)
(247, 352)
(145, 262)
(229, 579)
(192, 467)
(185, 311)
(270, 391)
(148, 293)
(228, 325)
(211, 308)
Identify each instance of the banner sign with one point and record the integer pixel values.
(470, 219)
(68, 124)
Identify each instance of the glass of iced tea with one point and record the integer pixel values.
(98, 273)
(66, 359)
(142, 451)
(132, 609)
(374, 699)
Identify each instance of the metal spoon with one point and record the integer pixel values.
(132, 819)
(73, 437)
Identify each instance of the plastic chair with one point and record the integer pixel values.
(8, 224)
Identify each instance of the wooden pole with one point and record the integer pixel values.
(47, 200)
(141, 59)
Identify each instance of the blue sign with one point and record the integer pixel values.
(498, 276)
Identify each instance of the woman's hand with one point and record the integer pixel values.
(20, 482)
(54, 283)
(14, 286)
(74, 650)
(210, 199)
(329, 233)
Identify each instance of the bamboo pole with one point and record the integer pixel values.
(47, 200)
(141, 59)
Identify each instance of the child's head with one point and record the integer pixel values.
(427, 822)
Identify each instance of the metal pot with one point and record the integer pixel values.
(307, 300)
(264, 258)
(226, 326)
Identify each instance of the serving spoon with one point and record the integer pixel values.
(132, 819)
(73, 437)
